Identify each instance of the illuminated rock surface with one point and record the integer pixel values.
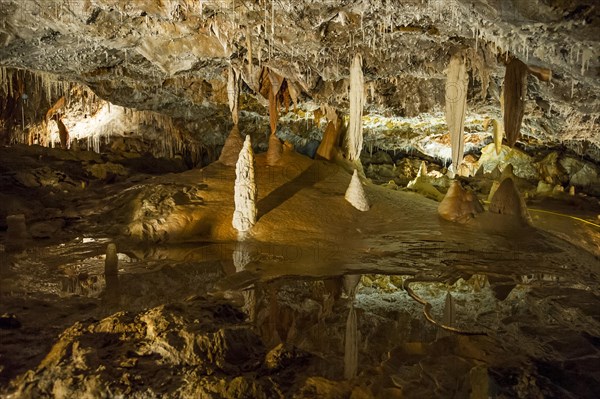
(113, 116)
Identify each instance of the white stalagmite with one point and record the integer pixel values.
(456, 105)
(244, 216)
(233, 92)
(355, 194)
(354, 137)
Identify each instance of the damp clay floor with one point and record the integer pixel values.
(197, 311)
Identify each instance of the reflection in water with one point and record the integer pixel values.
(242, 256)
(351, 338)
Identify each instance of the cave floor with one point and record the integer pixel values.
(270, 314)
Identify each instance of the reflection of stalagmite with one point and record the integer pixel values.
(456, 105)
(354, 136)
(244, 216)
(459, 205)
(351, 336)
(241, 258)
(111, 262)
(355, 194)
(17, 229)
(231, 149)
(508, 201)
(449, 316)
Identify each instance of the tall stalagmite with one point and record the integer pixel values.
(354, 136)
(456, 105)
(244, 216)
(513, 95)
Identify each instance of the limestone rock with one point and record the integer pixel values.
(459, 205)
(105, 171)
(422, 185)
(523, 164)
(355, 194)
(380, 157)
(245, 193)
(232, 147)
(354, 136)
(508, 201)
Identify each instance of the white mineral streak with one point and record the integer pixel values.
(244, 216)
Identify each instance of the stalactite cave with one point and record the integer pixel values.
(300, 199)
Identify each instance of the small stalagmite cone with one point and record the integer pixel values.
(508, 201)
(355, 194)
(111, 263)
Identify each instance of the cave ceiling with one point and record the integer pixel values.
(172, 56)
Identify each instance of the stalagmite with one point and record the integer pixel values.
(355, 194)
(331, 137)
(456, 105)
(422, 170)
(244, 216)
(354, 136)
(232, 147)
(514, 94)
(459, 205)
(498, 135)
(63, 133)
(508, 201)
(111, 262)
(233, 93)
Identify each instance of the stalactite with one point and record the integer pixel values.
(233, 93)
(456, 105)
(498, 133)
(514, 93)
(354, 136)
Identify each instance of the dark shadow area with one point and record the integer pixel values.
(281, 194)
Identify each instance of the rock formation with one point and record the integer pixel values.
(514, 95)
(354, 135)
(456, 106)
(245, 194)
(17, 229)
(232, 147)
(459, 205)
(449, 318)
(508, 201)
(355, 194)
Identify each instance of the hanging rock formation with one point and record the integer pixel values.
(354, 135)
(233, 94)
(355, 194)
(456, 106)
(459, 205)
(508, 201)
(244, 216)
(232, 147)
(514, 94)
(275, 145)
